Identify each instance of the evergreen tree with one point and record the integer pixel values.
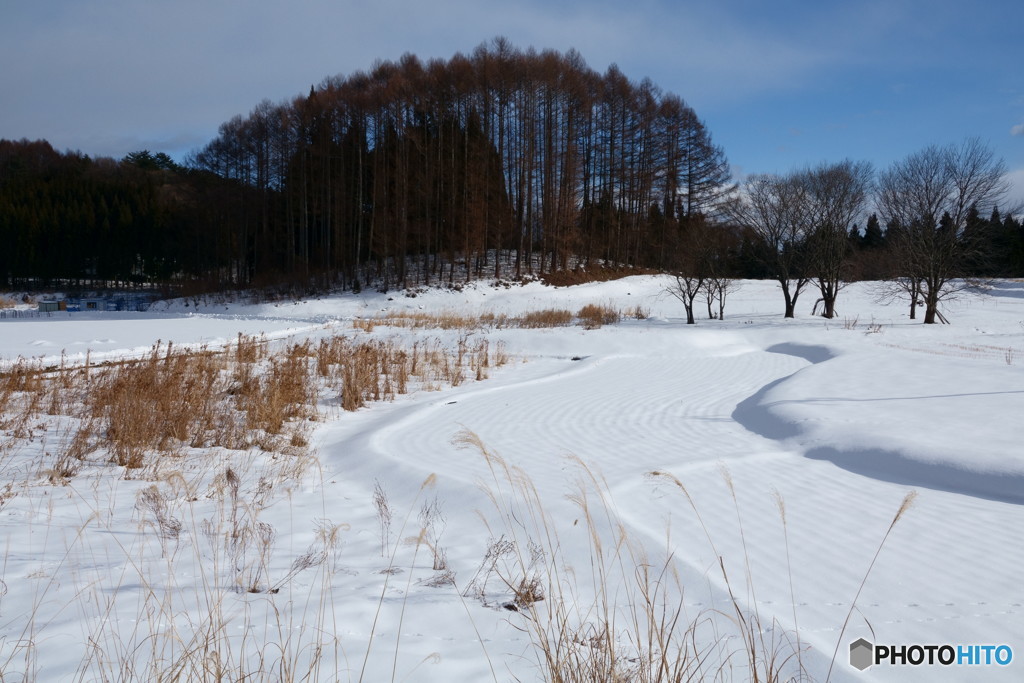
(873, 237)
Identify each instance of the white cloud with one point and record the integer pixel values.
(193, 64)
(112, 76)
(1014, 200)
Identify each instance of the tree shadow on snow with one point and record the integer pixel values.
(896, 468)
(755, 415)
(753, 412)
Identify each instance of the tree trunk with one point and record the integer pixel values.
(830, 308)
(790, 301)
(915, 292)
(689, 312)
(931, 310)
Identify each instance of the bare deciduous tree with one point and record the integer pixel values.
(721, 266)
(927, 198)
(836, 196)
(693, 262)
(718, 288)
(774, 208)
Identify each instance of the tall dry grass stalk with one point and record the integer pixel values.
(766, 655)
(617, 615)
(906, 504)
(226, 626)
(780, 503)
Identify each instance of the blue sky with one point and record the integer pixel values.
(781, 85)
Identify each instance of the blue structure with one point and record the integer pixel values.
(111, 302)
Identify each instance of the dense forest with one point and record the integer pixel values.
(386, 175)
(502, 163)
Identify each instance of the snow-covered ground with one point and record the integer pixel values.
(839, 420)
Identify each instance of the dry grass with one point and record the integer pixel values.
(593, 316)
(445, 320)
(198, 634)
(630, 623)
(466, 323)
(197, 410)
(639, 312)
(187, 632)
(619, 614)
(551, 317)
(135, 412)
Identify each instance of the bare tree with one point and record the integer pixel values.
(928, 197)
(704, 173)
(694, 262)
(774, 208)
(721, 266)
(718, 287)
(836, 196)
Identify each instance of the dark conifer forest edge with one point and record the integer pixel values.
(504, 163)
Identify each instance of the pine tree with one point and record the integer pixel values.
(873, 237)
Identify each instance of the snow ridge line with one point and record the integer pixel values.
(893, 466)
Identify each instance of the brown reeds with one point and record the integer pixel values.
(247, 395)
(444, 320)
(593, 316)
(180, 635)
(551, 317)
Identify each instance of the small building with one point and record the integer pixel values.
(49, 306)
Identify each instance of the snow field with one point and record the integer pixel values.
(837, 419)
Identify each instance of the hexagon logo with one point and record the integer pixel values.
(862, 654)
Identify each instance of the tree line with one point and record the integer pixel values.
(391, 175)
(530, 154)
(66, 216)
(943, 227)
(501, 163)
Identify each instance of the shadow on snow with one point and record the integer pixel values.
(755, 415)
